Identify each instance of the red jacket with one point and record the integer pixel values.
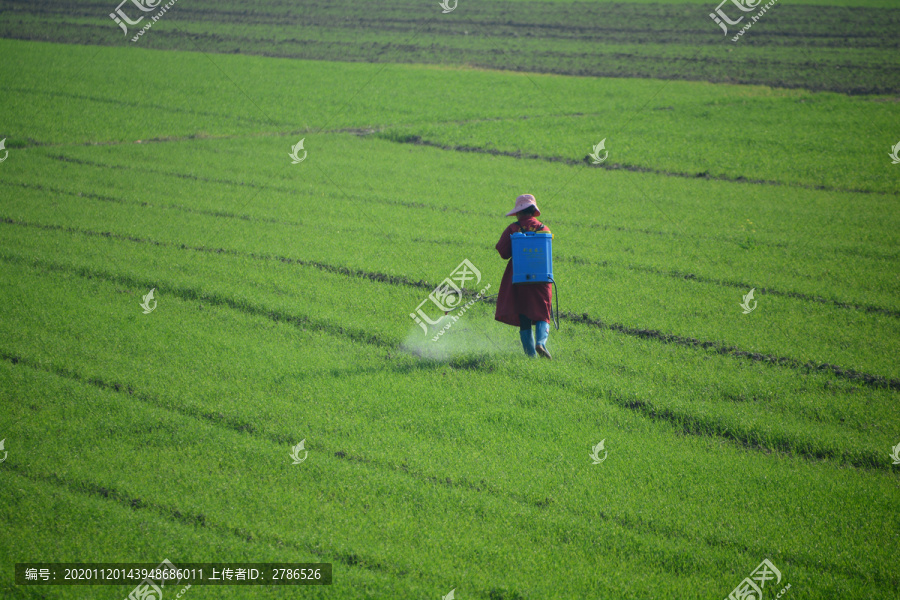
(529, 299)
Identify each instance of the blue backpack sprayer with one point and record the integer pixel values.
(532, 260)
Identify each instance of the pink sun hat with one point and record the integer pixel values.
(523, 202)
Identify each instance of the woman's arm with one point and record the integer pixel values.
(504, 246)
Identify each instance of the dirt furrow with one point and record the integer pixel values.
(199, 519)
(876, 381)
(417, 140)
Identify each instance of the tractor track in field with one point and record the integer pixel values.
(675, 274)
(190, 294)
(485, 214)
(236, 425)
(419, 141)
(199, 519)
(359, 131)
(462, 148)
(752, 440)
(89, 163)
(586, 161)
(168, 108)
(421, 205)
(350, 272)
(870, 380)
(186, 209)
(743, 285)
(876, 381)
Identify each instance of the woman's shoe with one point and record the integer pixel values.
(541, 333)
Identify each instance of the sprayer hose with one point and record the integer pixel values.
(556, 295)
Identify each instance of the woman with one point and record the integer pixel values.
(522, 304)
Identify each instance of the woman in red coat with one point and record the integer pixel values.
(522, 304)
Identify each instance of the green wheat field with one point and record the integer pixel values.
(138, 429)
